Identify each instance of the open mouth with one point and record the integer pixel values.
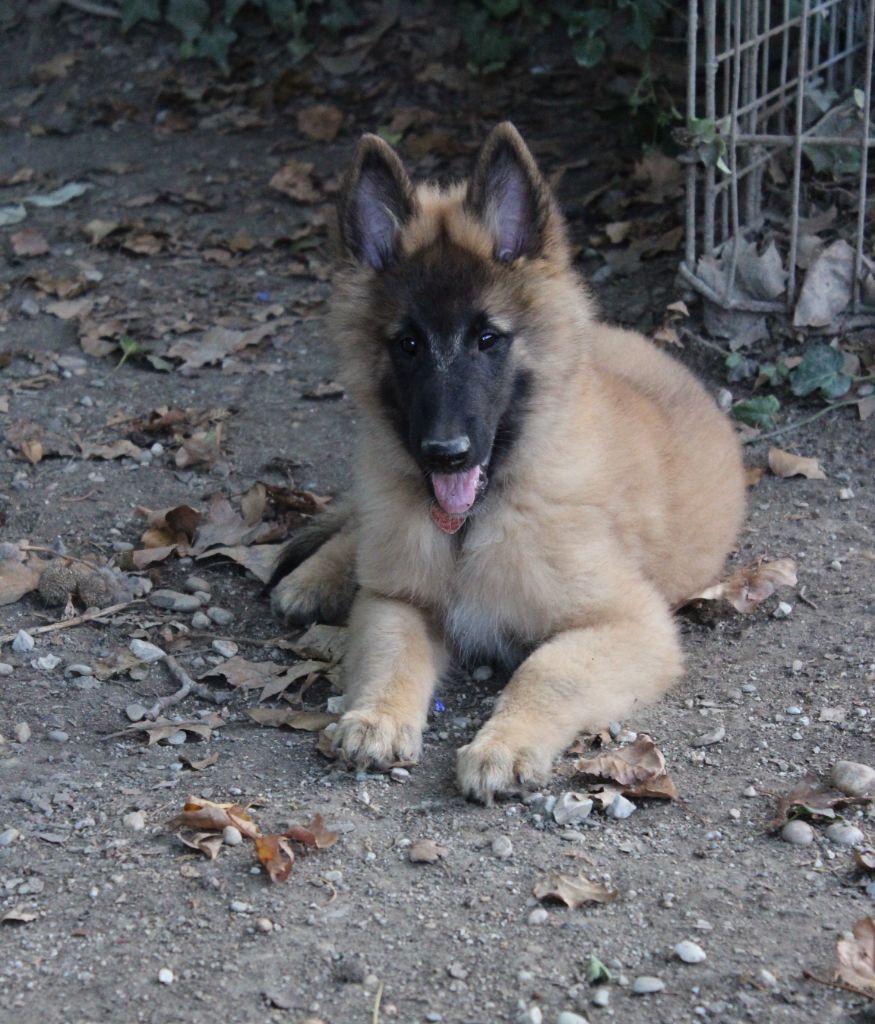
(455, 495)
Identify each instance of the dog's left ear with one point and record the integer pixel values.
(509, 194)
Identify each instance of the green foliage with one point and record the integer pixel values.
(821, 370)
(596, 971)
(757, 412)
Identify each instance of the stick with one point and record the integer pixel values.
(187, 686)
(844, 986)
(88, 7)
(98, 613)
(799, 423)
(377, 1000)
(67, 558)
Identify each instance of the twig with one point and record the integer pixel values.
(88, 7)
(187, 686)
(98, 613)
(799, 423)
(67, 558)
(377, 1000)
(806, 600)
(811, 976)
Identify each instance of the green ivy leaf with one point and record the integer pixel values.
(139, 10)
(596, 971)
(189, 17)
(757, 412)
(821, 370)
(215, 45)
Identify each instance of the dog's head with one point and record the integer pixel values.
(441, 306)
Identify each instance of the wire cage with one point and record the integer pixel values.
(779, 104)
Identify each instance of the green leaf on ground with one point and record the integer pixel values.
(757, 412)
(821, 370)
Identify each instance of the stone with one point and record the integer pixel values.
(23, 642)
(48, 662)
(843, 834)
(456, 970)
(6, 669)
(193, 584)
(783, 611)
(601, 996)
(145, 651)
(264, 925)
(22, 732)
(200, 621)
(620, 807)
(135, 820)
(531, 1016)
(397, 774)
(239, 907)
(707, 739)
(690, 952)
(166, 976)
(8, 836)
(799, 833)
(571, 808)
(78, 669)
(173, 601)
(538, 916)
(227, 648)
(135, 712)
(221, 616)
(853, 778)
(58, 735)
(502, 848)
(177, 739)
(232, 836)
(646, 985)
(569, 1017)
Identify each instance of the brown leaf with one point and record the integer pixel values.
(320, 122)
(18, 578)
(866, 406)
(29, 242)
(200, 765)
(201, 815)
(19, 177)
(202, 447)
(753, 475)
(426, 851)
(93, 335)
(313, 834)
(784, 464)
(245, 675)
(116, 450)
(253, 504)
(661, 175)
(857, 958)
(207, 843)
(294, 180)
(58, 67)
(321, 642)
(161, 728)
(19, 915)
(143, 243)
(275, 856)
(281, 683)
(259, 559)
(751, 584)
(70, 309)
(639, 768)
(181, 519)
(307, 721)
(811, 798)
(306, 502)
(572, 890)
(218, 343)
(865, 860)
(96, 230)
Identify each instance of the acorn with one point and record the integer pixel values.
(57, 582)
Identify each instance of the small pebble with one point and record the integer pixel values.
(646, 985)
(843, 834)
(200, 621)
(601, 996)
(398, 774)
(221, 616)
(845, 494)
(707, 739)
(227, 648)
(690, 952)
(6, 669)
(615, 728)
(135, 820)
(58, 735)
(794, 709)
(620, 807)
(48, 662)
(482, 673)
(456, 970)
(8, 836)
(264, 925)
(568, 1017)
(767, 978)
(204, 597)
(177, 739)
(531, 1016)
(239, 907)
(165, 976)
(799, 833)
(157, 448)
(135, 712)
(748, 688)
(23, 642)
(22, 732)
(853, 779)
(193, 584)
(538, 916)
(78, 670)
(783, 611)
(232, 836)
(796, 666)
(502, 847)
(172, 600)
(145, 651)
(571, 808)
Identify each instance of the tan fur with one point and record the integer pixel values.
(622, 496)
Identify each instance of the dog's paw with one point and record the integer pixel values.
(299, 601)
(488, 767)
(372, 737)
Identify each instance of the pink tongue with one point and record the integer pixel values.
(455, 492)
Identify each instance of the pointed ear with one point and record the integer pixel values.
(376, 200)
(509, 194)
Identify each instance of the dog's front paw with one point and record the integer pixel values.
(368, 736)
(299, 600)
(488, 767)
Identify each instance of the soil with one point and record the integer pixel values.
(359, 933)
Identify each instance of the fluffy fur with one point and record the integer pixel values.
(617, 494)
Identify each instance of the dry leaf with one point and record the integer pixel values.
(865, 860)
(260, 559)
(218, 343)
(812, 798)
(245, 675)
(753, 475)
(619, 231)
(325, 389)
(639, 768)
(784, 464)
(313, 834)
(426, 851)
(29, 242)
(307, 721)
(19, 177)
(57, 67)
(321, 122)
(19, 915)
(275, 856)
(200, 814)
(200, 765)
(96, 230)
(857, 959)
(161, 728)
(18, 578)
(116, 450)
(253, 504)
(205, 842)
(751, 585)
(571, 890)
(293, 180)
(865, 407)
(70, 309)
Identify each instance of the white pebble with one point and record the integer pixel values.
(707, 739)
(177, 739)
(264, 925)
(22, 732)
(853, 779)
(646, 985)
(532, 1016)
(48, 662)
(571, 808)
(201, 621)
(502, 847)
(845, 494)
(8, 836)
(601, 996)
(135, 820)
(398, 774)
(157, 448)
(783, 611)
(538, 916)
(481, 674)
(23, 642)
(799, 833)
(232, 836)
(794, 709)
(6, 669)
(620, 807)
(843, 834)
(145, 651)
(567, 1017)
(227, 648)
(690, 952)
(165, 976)
(239, 907)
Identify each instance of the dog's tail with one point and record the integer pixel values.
(308, 540)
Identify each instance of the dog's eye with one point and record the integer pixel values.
(408, 345)
(487, 339)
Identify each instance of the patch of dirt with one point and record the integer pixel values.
(180, 234)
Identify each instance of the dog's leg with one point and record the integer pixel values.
(391, 667)
(576, 682)
(321, 587)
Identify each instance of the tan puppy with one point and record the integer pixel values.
(532, 486)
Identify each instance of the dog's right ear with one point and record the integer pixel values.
(376, 200)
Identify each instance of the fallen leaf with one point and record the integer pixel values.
(57, 67)
(572, 890)
(619, 231)
(260, 559)
(325, 389)
(751, 585)
(857, 958)
(97, 230)
(200, 765)
(12, 214)
(865, 407)
(19, 177)
(322, 642)
(162, 728)
(275, 856)
(19, 915)
(662, 177)
(753, 475)
(639, 768)
(305, 502)
(313, 834)
(785, 464)
(29, 242)
(811, 798)
(865, 860)
(70, 309)
(200, 814)
(426, 851)
(223, 526)
(826, 290)
(18, 578)
(294, 180)
(253, 504)
(116, 450)
(308, 721)
(218, 343)
(320, 122)
(208, 843)
(205, 446)
(143, 243)
(245, 675)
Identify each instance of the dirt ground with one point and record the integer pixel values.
(179, 160)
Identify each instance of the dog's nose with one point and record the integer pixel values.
(450, 454)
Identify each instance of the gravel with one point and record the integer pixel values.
(193, 584)
(6, 669)
(232, 836)
(569, 1017)
(708, 739)
(537, 916)
(227, 648)
(620, 807)
(58, 735)
(166, 976)
(201, 621)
